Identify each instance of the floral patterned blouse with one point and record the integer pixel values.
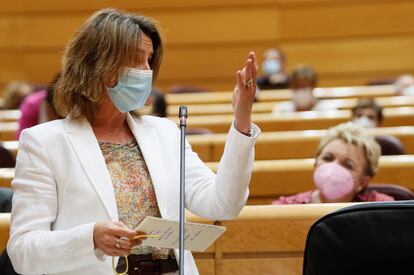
(134, 192)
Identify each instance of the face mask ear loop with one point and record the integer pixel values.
(126, 257)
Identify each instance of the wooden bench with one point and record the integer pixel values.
(8, 130)
(281, 95)
(274, 145)
(6, 177)
(12, 146)
(262, 240)
(288, 144)
(267, 107)
(403, 116)
(272, 178)
(9, 115)
(4, 230)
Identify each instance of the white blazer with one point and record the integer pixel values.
(62, 187)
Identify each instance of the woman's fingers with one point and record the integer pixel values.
(252, 56)
(248, 72)
(115, 238)
(121, 230)
(239, 79)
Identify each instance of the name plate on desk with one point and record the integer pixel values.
(198, 237)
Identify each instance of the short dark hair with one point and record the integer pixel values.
(303, 72)
(368, 103)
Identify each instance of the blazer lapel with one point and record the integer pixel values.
(90, 156)
(149, 144)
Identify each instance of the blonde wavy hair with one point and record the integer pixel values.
(106, 42)
(351, 133)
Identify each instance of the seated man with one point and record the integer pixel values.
(346, 161)
(303, 81)
(367, 113)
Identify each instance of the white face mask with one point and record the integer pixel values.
(133, 89)
(408, 91)
(303, 98)
(364, 122)
(271, 66)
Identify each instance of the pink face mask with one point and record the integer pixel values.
(333, 181)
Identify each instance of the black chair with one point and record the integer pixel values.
(399, 193)
(371, 238)
(6, 158)
(6, 267)
(390, 145)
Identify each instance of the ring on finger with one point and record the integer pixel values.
(248, 83)
(118, 243)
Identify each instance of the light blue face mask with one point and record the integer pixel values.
(271, 66)
(133, 89)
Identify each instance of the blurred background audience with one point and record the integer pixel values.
(38, 107)
(302, 81)
(367, 113)
(404, 85)
(274, 74)
(14, 93)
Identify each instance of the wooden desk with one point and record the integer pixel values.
(312, 120)
(12, 146)
(9, 115)
(267, 107)
(281, 95)
(6, 177)
(262, 240)
(8, 130)
(4, 230)
(265, 239)
(274, 145)
(272, 178)
(288, 144)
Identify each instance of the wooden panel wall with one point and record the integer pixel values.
(347, 41)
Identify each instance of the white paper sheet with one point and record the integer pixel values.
(198, 237)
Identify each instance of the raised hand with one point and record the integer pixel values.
(243, 94)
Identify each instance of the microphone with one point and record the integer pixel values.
(182, 115)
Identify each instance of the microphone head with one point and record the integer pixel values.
(182, 112)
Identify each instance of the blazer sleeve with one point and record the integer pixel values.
(34, 247)
(221, 195)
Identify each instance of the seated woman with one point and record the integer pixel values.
(346, 161)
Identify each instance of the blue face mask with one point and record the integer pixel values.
(271, 66)
(132, 91)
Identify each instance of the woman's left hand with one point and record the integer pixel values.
(243, 94)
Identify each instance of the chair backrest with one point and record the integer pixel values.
(399, 193)
(390, 145)
(371, 238)
(6, 158)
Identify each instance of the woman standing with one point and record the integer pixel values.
(84, 183)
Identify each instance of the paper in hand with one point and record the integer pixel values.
(198, 237)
